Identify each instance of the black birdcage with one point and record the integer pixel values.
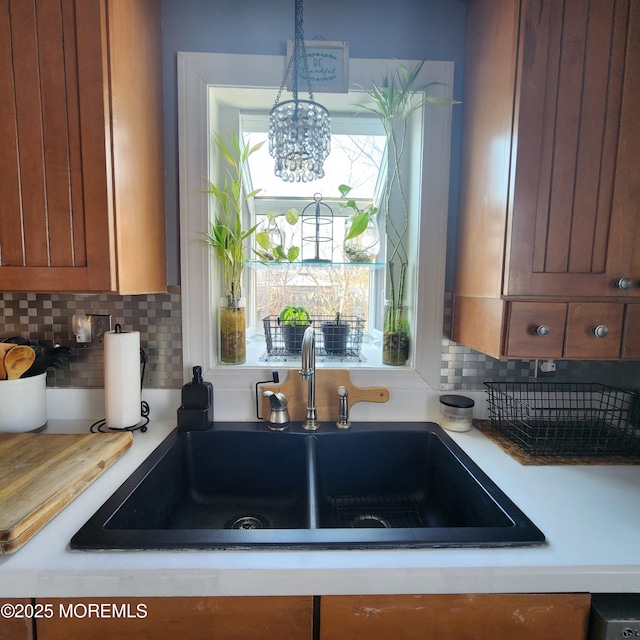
(317, 232)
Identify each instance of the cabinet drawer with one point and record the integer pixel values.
(536, 329)
(631, 337)
(594, 330)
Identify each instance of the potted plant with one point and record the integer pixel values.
(394, 100)
(293, 322)
(271, 239)
(227, 237)
(335, 333)
(361, 238)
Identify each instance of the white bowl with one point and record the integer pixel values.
(23, 404)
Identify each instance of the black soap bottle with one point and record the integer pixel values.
(196, 411)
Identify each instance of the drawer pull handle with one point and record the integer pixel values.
(601, 331)
(623, 284)
(542, 331)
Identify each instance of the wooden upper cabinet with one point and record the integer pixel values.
(550, 194)
(81, 153)
(576, 194)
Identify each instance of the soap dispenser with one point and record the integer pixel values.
(278, 413)
(196, 411)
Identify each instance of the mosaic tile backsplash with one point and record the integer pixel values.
(47, 318)
(159, 320)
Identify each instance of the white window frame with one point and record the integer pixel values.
(196, 73)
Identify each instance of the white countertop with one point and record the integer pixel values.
(589, 514)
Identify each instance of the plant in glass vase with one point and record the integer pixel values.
(227, 237)
(362, 237)
(393, 101)
(271, 238)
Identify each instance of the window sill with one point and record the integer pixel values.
(257, 357)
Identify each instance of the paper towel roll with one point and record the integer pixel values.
(122, 378)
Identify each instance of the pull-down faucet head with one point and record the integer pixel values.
(308, 372)
(308, 354)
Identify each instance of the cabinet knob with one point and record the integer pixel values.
(623, 284)
(601, 331)
(542, 331)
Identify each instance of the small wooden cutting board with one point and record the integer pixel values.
(41, 473)
(327, 383)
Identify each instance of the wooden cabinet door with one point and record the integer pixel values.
(16, 627)
(576, 195)
(81, 194)
(463, 617)
(54, 231)
(222, 618)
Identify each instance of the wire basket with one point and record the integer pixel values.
(555, 419)
(345, 343)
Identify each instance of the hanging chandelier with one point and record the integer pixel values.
(299, 130)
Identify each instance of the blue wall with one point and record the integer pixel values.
(403, 29)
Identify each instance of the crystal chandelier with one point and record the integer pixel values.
(299, 130)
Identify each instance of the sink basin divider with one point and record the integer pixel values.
(312, 481)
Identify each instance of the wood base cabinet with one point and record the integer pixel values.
(12, 626)
(81, 159)
(223, 618)
(550, 198)
(377, 617)
(463, 617)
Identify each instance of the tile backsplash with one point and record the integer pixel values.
(47, 317)
(158, 318)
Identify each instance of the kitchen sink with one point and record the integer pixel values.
(221, 480)
(376, 485)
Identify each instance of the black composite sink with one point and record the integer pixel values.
(374, 486)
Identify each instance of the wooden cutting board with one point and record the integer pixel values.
(41, 473)
(327, 383)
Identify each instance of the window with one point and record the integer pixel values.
(427, 169)
(324, 289)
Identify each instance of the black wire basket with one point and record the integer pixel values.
(555, 419)
(336, 342)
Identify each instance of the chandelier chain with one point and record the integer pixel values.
(299, 55)
(299, 130)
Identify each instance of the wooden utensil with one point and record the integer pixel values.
(17, 360)
(327, 383)
(4, 347)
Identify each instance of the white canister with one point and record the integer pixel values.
(23, 404)
(456, 412)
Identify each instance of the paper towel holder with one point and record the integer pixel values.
(145, 410)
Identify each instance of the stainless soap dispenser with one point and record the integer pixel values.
(278, 410)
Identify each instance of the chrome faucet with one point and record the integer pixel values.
(308, 372)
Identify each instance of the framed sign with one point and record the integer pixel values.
(328, 64)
